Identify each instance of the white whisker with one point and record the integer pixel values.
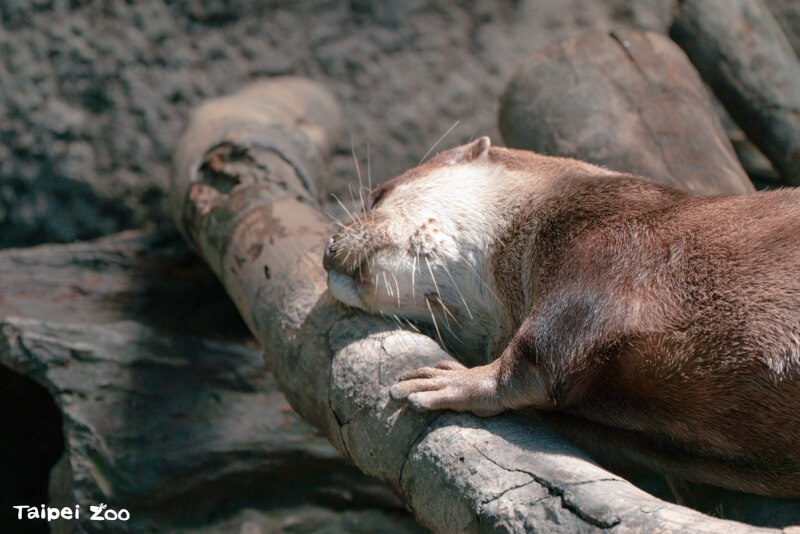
(455, 284)
(388, 287)
(413, 278)
(369, 171)
(397, 286)
(344, 207)
(437, 142)
(435, 325)
(358, 173)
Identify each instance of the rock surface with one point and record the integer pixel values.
(625, 100)
(744, 55)
(95, 93)
(168, 410)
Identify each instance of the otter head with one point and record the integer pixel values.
(421, 249)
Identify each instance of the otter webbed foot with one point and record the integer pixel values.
(450, 386)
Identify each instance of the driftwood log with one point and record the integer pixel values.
(243, 195)
(742, 53)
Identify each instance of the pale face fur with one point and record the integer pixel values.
(424, 250)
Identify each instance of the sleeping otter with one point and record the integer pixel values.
(648, 325)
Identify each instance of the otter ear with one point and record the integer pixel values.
(478, 148)
(471, 151)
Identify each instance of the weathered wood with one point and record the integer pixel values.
(263, 235)
(629, 101)
(167, 409)
(742, 53)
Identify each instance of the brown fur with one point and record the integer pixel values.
(652, 327)
(674, 319)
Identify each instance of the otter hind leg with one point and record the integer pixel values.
(450, 386)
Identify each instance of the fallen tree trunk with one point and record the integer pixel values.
(742, 53)
(242, 195)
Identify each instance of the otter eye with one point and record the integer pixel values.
(374, 198)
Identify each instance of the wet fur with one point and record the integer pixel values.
(652, 327)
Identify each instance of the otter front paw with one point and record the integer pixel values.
(450, 386)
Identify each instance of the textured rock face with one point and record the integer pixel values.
(95, 93)
(167, 408)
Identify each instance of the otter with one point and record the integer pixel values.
(651, 327)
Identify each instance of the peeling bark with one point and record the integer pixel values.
(456, 472)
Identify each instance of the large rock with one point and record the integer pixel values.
(167, 408)
(94, 93)
(627, 100)
(742, 53)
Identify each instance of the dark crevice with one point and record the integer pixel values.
(31, 444)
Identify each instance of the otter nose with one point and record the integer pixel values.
(327, 258)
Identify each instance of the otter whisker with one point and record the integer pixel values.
(455, 284)
(352, 217)
(433, 278)
(435, 324)
(479, 277)
(397, 285)
(432, 148)
(369, 171)
(352, 197)
(446, 313)
(358, 173)
(412, 325)
(441, 300)
(335, 220)
(388, 287)
(447, 323)
(413, 278)
(347, 256)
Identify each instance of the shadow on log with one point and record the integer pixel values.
(240, 196)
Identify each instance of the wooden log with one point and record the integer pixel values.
(264, 235)
(626, 100)
(741, 52)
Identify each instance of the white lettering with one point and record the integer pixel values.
(96, 511)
